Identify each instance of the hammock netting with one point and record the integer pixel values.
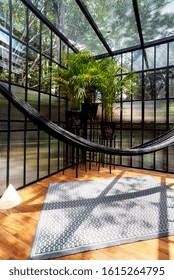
(164, 140)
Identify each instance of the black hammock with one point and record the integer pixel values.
(161, 142)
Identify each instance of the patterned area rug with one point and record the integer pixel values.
(87, 215)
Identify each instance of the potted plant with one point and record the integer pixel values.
(84, 76)
(79, 80)
(113, 85)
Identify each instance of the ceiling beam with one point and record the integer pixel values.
(138, 21)
(94, 25)
(137, 17)
(138, 47)
(49, 24)
(117, 52)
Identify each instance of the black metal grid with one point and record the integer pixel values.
(129, 128)
(16, 130)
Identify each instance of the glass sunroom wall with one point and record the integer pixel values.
(149, 113)
(27, 49)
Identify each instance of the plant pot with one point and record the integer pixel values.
(73, 118)
(89, 110)
(94, 108)
(107, 129)
(86, 110)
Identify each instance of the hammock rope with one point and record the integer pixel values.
(156, 144)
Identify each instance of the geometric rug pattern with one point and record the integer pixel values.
(87, 215)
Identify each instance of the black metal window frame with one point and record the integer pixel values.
(12, 127)
(129, 128)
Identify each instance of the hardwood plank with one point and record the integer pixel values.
(18, 225)
(2, 215)
(16, 249)
(11, 225)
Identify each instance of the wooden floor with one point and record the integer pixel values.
(17, 225)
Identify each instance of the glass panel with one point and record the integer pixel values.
(34, 31)
(69, 19)
(16, 115)
(126, 139)
(55, 89)
(61, 156)
(161, 126)
(149, 58)
(116, 112)
(62, 109)
(31, 156)
(171, 158)
(15, 125)
(118, 59)
(126, 112)
(4, 125)
(149, 85)
(116, 21)
(5, 14)
(55, 48)
(127, 61)
(32, 98)
(149, 112)
(16, 170)
(54, 155)
(137, 60)
(137, 161)
(148, 160)
(160, 84)
(155, 84)
(126, 96)
(45, 75)
(33, 69)
(4, 108)
(64, 51)
(137, 95)
(171, 53)
(171, 82)
(161, 55)
(156, 18)
(4, 56)
(137, 111)
(19, 20)
(18, 66)
(43, 154)
(136, 138)
(54, 109)
(3, 161)
(46, 40)
(117, 145)
(148, 135)
(161, 160)
(171, 111)
(126, 143)
(161, 111)
(44, 105)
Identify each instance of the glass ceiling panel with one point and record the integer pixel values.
(156, 18)
(116, 21)
(71, 22)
